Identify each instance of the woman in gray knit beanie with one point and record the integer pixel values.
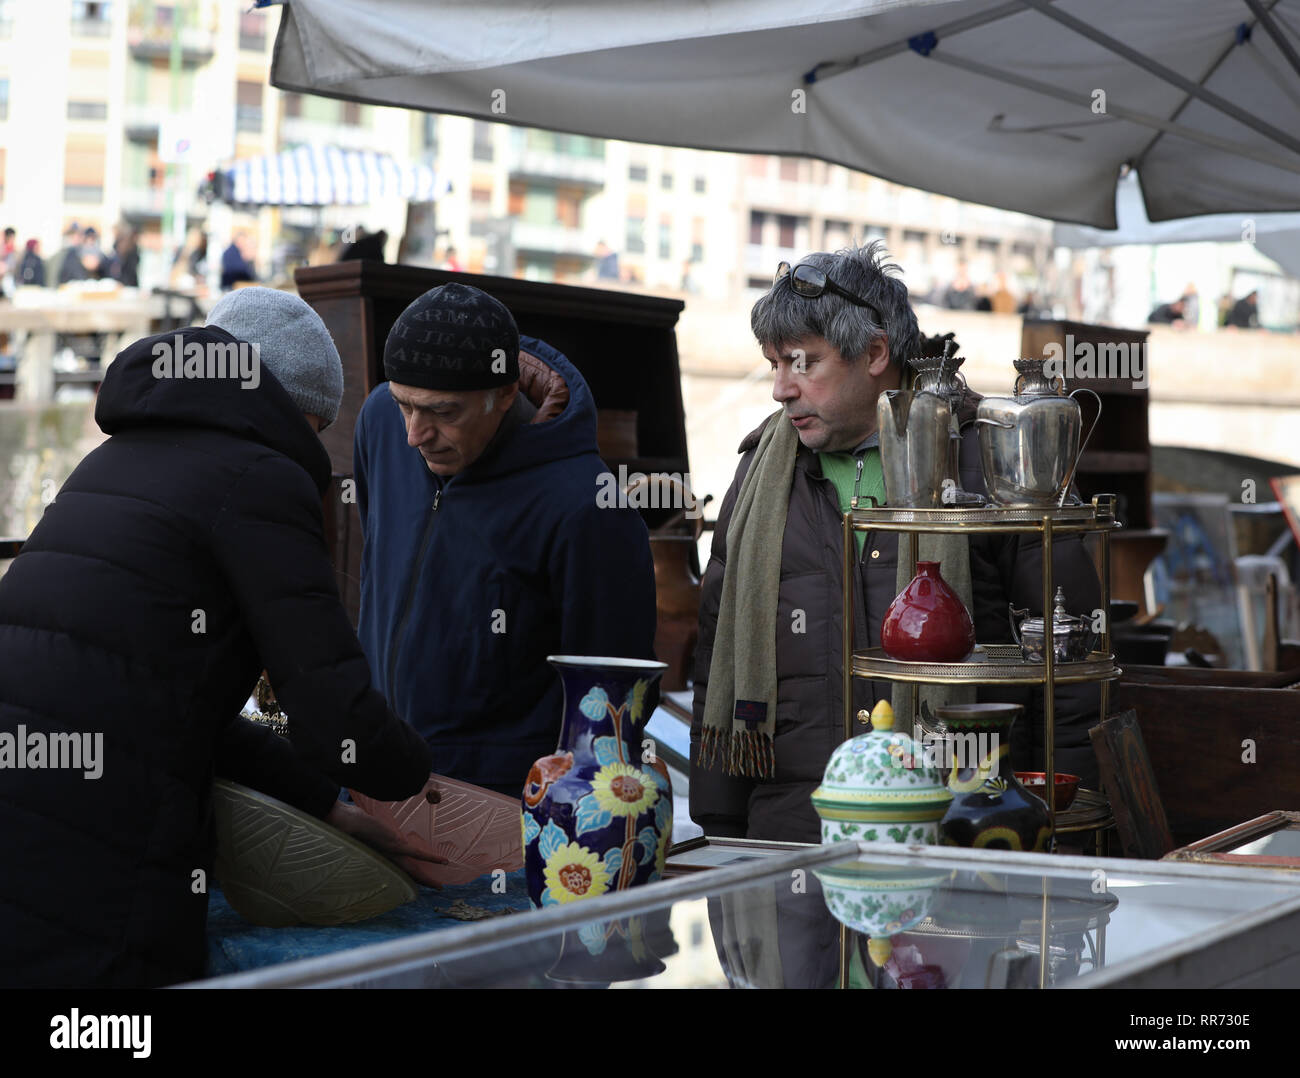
(293, 344)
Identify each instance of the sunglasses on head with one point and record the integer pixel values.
(810, 282)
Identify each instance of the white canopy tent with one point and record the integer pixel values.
(1027, 105)
(1276, 235)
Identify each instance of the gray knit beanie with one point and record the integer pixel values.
(293, 344)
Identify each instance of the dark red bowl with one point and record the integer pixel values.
(1036, 783)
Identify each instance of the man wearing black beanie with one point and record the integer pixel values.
(485, 547)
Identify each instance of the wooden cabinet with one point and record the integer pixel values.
(1114, 364)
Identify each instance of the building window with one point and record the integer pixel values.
(697, 252)
(756, 220)
(74, 192)
(483, 148)
(789, 168)
(6, 18)
(248, 105)
(351, 113)
(87, 110)
(429, 132)
(912, 235)
(1024, 249)
(252, 31)
(665, 240)
(89, 19)
(637, 173)
(700, 185)
(666, 181)
(786, 229)
(4, 99)
(758, 166)
(635, 235)
(987, 245)
(292, 105)
(478, 226)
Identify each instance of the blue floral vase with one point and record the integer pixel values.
(598, 812)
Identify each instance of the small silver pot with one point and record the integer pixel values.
(1074, 638)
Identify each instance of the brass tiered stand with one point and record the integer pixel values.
(992, 664)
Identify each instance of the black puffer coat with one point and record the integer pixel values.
(809, 710)
(181, 557)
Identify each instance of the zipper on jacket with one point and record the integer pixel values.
(410, 595)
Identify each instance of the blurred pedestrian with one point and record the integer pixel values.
(9, 253)
(960, 295)
(451, 262)
(1191, 305)
(1167, 314)
(237, 262)
(31, 270)
(124, 265)
(66, 265)
(1245, 312)
(92, 255)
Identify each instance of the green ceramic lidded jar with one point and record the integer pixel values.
(879, 788)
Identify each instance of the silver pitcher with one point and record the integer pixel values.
(913, 447)
(1029, 442)
(942, 375)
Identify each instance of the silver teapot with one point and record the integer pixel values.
(1073, 638)
(1029, 442)
(913, 431)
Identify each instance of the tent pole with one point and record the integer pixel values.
(1168, 75)
(1133, 116)
(1274, 31)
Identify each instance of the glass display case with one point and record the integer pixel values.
(747, 914)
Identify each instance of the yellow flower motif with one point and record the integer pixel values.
(573, 872)
(622, 790)
(638, 700)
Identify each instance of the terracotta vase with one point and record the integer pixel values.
(596, 818)
(677, 602)
(927, 622)
(990, 808)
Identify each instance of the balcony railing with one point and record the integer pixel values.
(551, 239)
(557, 167)
(155, 42)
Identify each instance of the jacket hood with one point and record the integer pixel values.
(572, 433)
(176, 380)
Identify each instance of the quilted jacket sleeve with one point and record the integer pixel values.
(268, 538)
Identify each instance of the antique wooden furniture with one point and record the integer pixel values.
(1135, 799)
(624, 345)
(1224, 744)
(1268, 841)
(1117, 458)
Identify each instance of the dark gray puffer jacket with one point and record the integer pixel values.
(809, 715)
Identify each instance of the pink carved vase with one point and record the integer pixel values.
(927, 622)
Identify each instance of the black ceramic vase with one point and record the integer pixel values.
(990, 808)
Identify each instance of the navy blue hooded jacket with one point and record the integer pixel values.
(469, 583)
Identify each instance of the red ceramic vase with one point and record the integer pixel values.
(927, 622)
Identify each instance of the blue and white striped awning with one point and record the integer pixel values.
(328, 176)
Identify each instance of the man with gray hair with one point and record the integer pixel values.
(837, 330)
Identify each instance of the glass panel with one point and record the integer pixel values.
(1284, 843)
(767, 917)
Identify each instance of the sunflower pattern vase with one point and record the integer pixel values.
(598, 812)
